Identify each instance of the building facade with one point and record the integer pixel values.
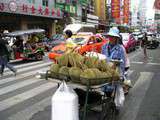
(142, 12)
(29, 14)
(101, 12)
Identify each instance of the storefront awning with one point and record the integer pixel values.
(25, 32)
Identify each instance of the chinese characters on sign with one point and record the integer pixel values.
(115, 9)
(115, 4)
(12, 7)
(1, 6)
(126, 11)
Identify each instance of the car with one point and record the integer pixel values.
(152, 42)
(84, 44)
(129, 42)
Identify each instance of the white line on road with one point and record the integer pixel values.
(5, 104)
(137, 94)
(27, 113)
(17, 86)
(28, 64)
(21, 76)
(30, 67)
(149, 63)
(25, 74)
(25, 65)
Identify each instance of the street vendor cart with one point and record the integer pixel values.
(105, 99)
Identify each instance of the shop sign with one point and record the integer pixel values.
(126, 11)
(53, 12)
(46, 11)
(71, 9)
(58, 12)
(1, 6)
(13, 6)
(61, 6)
(40, 10)
(115, 8)
(33, 9)
(60, 1)
(29, 10)
(25, 8)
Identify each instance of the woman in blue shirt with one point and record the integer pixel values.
(113, 50)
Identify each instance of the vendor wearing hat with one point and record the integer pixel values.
(113, 50)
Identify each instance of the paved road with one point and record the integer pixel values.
(26, 98)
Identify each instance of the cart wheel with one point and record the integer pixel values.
(108, 110)
(39, 56)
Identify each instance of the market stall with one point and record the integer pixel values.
(90, 74)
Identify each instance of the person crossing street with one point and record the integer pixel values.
(4, 55)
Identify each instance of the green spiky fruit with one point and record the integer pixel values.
(97, 72)
(87, 75)
(54, 69)
(63, 72)
(74, 73)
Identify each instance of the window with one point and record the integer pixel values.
(45, 2)
(98, 40)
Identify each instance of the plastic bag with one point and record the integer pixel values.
(119, 96)
(97, 55)
(65, 104)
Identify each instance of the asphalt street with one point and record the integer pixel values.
(25, 97)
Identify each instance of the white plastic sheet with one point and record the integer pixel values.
(65, 104)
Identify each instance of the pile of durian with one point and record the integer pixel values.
(82, 69)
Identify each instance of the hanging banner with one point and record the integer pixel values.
(126, 11)
(115, 8)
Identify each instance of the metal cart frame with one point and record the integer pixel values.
(105, 101)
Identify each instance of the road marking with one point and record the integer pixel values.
(26, 65)
(137, 94)
(31, 67)
(5, 104)
(17, 86)
(21, 76)
(149, 63)
(27, 113)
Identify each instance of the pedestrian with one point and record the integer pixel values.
(144, 44)
(113, 50)
(4, 55)
(68, 34)
(69, 42)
